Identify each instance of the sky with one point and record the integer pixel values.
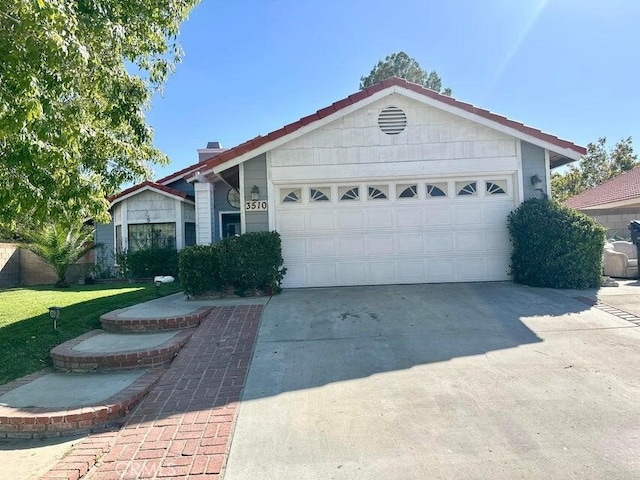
(568, 67)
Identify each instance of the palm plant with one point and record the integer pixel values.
(60, 246)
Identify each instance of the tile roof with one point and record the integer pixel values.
(154, 185)
(368, 92)
(618, 189)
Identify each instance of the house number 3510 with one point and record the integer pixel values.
(255, 205)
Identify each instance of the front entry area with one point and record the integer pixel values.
(395, 232)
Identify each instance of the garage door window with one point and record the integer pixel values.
(320, 194)
(378, 192)
(407, 191)
(496, 187)
(349, 193)
(436, 190)
(289, 195)
(466, 188)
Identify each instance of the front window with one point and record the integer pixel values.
(152, 235)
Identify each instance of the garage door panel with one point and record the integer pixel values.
(437, 215)
(380, 272)
(409, 217)
(409, 271)
(352, 273)
(293, 247)
(496, 214)
(439, 242)
(497, 240)
(498, 267)
(321, 221)
(322, 274)
(469, 269)
(470, 241)
(380, 218)
(296, 275)
(350, 246)
(441, 269)
(350, 220)
(322, 246)
(291, 222)
(380, 245)
(409, 243)
(468, 214)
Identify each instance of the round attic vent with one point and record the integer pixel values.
(392, 120)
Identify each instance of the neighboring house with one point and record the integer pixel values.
(612, 204)
(393, 184)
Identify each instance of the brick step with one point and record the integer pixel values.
(103, 351)
(31, 408)
(123, 321)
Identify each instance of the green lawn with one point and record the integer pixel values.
(26, 332)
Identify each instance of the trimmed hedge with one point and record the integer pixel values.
(148, 262)
(555, 246)
(247, 263)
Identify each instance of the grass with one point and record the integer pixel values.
(26, 332)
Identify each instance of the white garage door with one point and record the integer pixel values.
(448, 230)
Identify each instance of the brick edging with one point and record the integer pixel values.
(66, 359)
(629, 317)
(39, 422)
(112, 322)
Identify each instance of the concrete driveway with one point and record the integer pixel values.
(458, 381)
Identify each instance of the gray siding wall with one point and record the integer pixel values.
(255, 173)
(183, 186)
(220, 204)
(104, 235)
(533, 164)
(615, 220)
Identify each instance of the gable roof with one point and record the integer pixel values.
(147, 185)
(620, 189)
(567, 151)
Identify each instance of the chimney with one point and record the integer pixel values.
(212, 149)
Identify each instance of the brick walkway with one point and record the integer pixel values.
(182, 428)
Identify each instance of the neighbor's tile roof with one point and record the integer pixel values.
(361, 95)
(623, 187)
(147, 183)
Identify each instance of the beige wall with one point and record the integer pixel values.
(22, 267)
(615, 220)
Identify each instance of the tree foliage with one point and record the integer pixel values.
(402, 65)
(75, 80)
(60, 246)
(595, 168)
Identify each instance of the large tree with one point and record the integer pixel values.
(402, 65)
(75, 79)
(596, 167)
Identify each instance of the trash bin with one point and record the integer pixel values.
(634, 228)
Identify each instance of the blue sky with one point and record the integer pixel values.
(568, 67)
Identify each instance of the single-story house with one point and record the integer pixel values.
(393, 184)
(612, 204)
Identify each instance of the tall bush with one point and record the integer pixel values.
(555, 246)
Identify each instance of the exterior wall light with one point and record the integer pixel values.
(255, 193)
(54, 313)
(536, 182)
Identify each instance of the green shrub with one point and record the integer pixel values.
(148, 262)
(200, 269)
(247, 263)
(555, 246)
